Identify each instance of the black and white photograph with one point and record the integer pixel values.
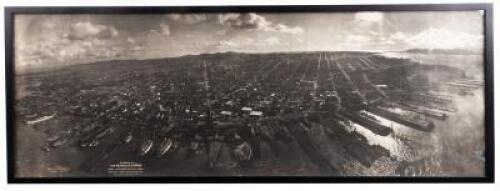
(249, 94)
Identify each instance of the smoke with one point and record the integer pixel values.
(462, 136)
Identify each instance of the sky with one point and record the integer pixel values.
(48, 40)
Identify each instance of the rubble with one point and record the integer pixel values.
(201, 108)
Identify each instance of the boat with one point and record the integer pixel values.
(165, 146)
(367, 116)
(89, 127)
(105, 132)
(93, 143)
(40, 119)
(60, 142)
(427, 112)
(60, 139)
(127, 138)
(145, 147)
(368, 121)
(53, 138)
(418, 124)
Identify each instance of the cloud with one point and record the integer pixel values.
(248, 44)
(366, 29)
(248, 41)
(78, 42)
(245, 42)
(442, 38)
(398, 36)
(194, 18)
(174, 16)
(227, 43)
(358, 39)
(73, 50)
(286, 29)
(244, 21)
(221, 32)
(48, 25)
(272, 41)
(370, 17)
(87, 30)
(130, 40)
(164, 30)
(136, 48)
(90, 50)
(256, 22)
(435, 38)
(187, 18)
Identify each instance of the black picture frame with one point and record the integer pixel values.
(488, 71)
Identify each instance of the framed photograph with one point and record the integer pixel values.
(250, 94)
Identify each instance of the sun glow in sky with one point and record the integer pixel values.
(66, 39)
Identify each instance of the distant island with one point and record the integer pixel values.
(444, 51)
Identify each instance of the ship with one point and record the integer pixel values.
(40, 119)
(418, 124)
(145, 147)
(165, 146)
(368, 122)
(426, 111)
(127, 138)
(105, 132)
(61, 139)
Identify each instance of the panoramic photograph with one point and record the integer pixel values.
(338, 94)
